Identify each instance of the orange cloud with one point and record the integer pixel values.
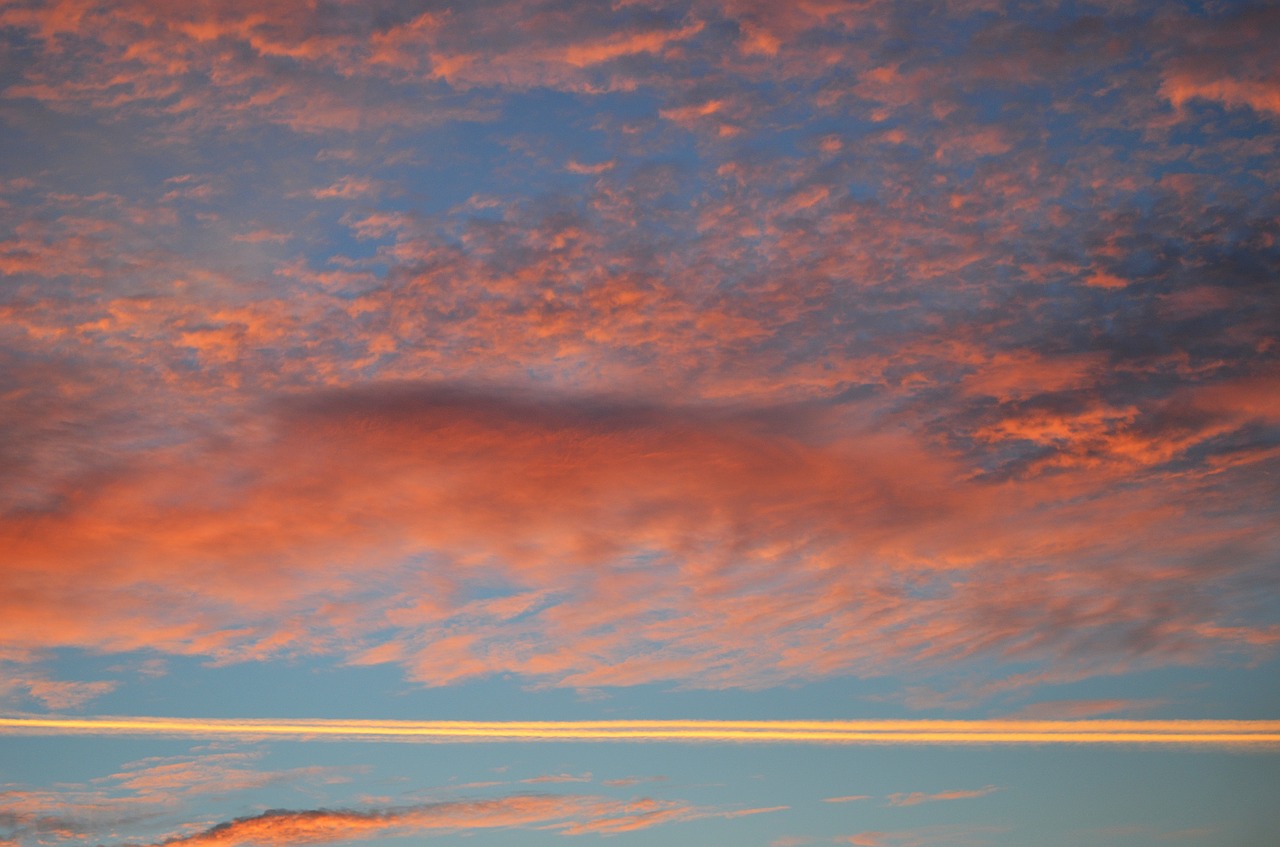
(1263, 96)
(58, 694)
(915, 798)
(766, 27)
(1231, 61)
(259, 236)
(689, 114)
(325, 826)
(346, 188)
(926, 836)
(144, 790)
(713, 523)
(927, 451)
(576, 167)
(567, 814)
(626, 44)
(1073, 709)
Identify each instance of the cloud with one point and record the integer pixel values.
(143, 793)
(575, 167)
(1230, 61)
(259, 236)
(570, 814)
(567, 814)
(1263, 96)
(911, 380)
(915, 798)
(346, 188)
(1071, 709)
(624, 782)
(57, 695)
(322, 826)
(629, 540)
(555, 778)
(169, 779)
(962, 835)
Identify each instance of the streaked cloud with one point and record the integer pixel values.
(957, 834)
(575, 505)
(568, 813)
(915, 798)
(1074, 709)
(146, 792)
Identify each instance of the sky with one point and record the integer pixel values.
(832, 422)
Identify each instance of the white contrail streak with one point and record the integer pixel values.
(1221, 733)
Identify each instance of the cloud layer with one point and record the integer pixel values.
(711, 343)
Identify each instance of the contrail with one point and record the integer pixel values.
(1220, 733)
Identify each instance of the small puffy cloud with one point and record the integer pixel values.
(263, 236)
(576, 167)
(347, 188)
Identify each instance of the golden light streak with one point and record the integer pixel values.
(1250, 734)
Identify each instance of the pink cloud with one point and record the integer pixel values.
(1261, 95)
(576, 167)
(915, 798)
(742, 527)
(346, 188)
(263, 236)
(691, 113)
(144, 791)
(1072, 709)
(625, 782)
(165, 779)
(1019, 477)
(55, 694)
(557, 778)
(766, 27)
(955, 834)
(1230, 61)
(567, 814)
(626, 44)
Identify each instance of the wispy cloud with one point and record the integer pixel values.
(55, 694)
(626, 781)
(145, 793)
(557, 493)
(557, 778)
(1071, 709)
(915, 798)
(962, 835)
(567, 813)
